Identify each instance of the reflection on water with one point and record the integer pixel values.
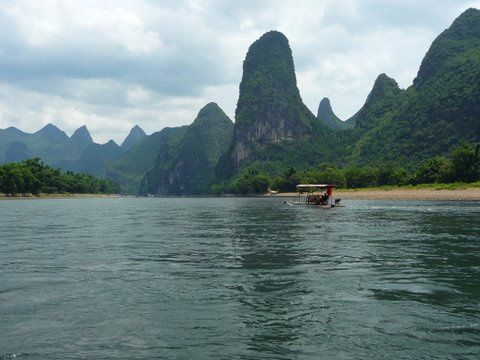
(240, 278)
(267, 246)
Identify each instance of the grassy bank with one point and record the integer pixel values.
(450, 186)
(450, 192)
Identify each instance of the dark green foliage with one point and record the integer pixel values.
(33, 177)
(288, 182)
(138, 160)
(268, 81)
(434, 170)
(248, 182)
(191, 170)
(441, 108)
(324, 174)
(466, 162)
(381, 104)
(358, 177)
(272, 123)
(384, 98)
(392, 175)
(329, 119)
(156, 180)
(463, 165)
(95, 159)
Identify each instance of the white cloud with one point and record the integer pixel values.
(111, 64)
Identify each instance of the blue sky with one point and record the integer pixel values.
(113, 64)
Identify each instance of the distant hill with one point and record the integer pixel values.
(49, 143)
(327, 116)
(136, 135)
(188, 165)
(17, 151)
(81, 138)
(52, 134)
(95, 159)
(134, 164)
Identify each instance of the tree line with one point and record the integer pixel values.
(34, 177)
(462, 165)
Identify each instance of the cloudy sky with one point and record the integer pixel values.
(111, 64)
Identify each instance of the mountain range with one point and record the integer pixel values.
(274, 130)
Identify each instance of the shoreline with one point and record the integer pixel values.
(59, 196)
(469, 194)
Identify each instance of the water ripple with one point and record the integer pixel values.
(238, 278)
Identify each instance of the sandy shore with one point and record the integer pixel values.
(471, 194)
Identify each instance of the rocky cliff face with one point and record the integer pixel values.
(269, 108)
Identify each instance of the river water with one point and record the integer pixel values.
(238, 278)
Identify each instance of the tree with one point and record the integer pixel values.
(357, 177)
(466, 162)
(434, 170)
(288, 181)
(13, 180)
(32, 176)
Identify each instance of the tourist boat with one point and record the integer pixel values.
(315, 195)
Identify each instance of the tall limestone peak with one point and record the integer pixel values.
(269, 107)
(52, 133)
(384, 97)
(192, 169)
(136, 134)
(211, 133)
(327, 116)
(209, 113)
(442, 106)
(447, 87)
(456, 48)
(81, 138)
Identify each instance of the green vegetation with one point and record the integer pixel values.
(272, 123)
(33, 177)
(461, 167)
(139, 160)
(191, 169)
(135, 135)
(439, 110)
(422, 135)
(329, 119)
(155, 180)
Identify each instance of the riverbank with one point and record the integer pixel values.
(468, 194)
(58, 196)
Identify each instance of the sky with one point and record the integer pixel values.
(111, 64)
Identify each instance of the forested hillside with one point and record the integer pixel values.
(398, 136)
